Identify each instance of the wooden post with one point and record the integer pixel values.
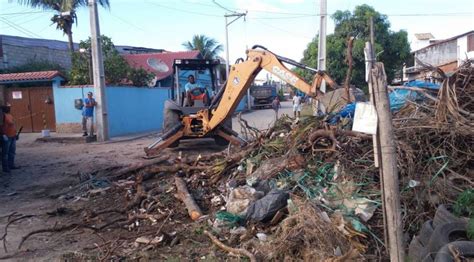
(389, 171)
(349, 60)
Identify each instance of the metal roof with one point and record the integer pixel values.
(424, 36)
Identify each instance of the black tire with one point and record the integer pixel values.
(170, 120)
(417, 251)
(465, 249)
(443, 215)
(446, 233)
(425, 232)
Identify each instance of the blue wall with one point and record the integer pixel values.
(130, 109)
(133, 110)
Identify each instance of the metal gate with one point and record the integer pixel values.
(32, 108)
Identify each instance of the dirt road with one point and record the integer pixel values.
(263, 118)
(50, 172)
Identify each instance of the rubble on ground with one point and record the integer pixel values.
(302, 190)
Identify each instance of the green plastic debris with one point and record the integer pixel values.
(357, 225)
(228, 218)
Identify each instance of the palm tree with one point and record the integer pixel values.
(208, 47)
(66, 13)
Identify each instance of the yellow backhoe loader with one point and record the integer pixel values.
(213, 120)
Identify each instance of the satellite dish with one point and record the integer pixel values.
(157, 65)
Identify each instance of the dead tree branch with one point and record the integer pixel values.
(236, 251)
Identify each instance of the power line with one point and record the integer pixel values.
(223, 7)
(283, 30)
(20, 28)
(181, 10)
(128, 23)
(23, 13)
(23, 22)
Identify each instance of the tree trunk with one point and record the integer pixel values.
(69, 36)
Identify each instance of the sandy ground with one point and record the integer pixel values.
(48, 170)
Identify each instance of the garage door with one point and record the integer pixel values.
(32, 108)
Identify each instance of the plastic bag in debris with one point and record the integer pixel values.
(240, 198)
(265, 208)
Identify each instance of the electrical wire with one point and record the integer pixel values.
(27, 21)
(283, 30)
(20, 28)
(182, 10)
(223, 7)
(22, 13)
(128, 23)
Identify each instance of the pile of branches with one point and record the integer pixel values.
(435, 147)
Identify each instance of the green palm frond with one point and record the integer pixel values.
(208, 47)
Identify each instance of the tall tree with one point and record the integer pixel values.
(392, 48)
(117, 70)
(208, 47)
(66, 13)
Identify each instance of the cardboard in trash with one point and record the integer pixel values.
(365, 118)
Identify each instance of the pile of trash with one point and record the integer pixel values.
(305, 189)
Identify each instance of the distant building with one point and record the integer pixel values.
(422, 40)
(17, 51)
(445, 54)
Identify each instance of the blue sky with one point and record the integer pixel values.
(283, 26)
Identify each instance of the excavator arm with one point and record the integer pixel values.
(210, 120)
(243, 74)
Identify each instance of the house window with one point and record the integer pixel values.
(470, 42)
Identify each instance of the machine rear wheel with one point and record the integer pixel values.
(171, 119)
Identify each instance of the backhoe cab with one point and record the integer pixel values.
(214, 119)
(180, 114)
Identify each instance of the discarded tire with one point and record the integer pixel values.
(425, 232)
(465, 249)
(417, 251)
(446, 233)
(443, 215)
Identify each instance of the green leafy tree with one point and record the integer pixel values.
(116, 69)
(391, 48)
(65, 15)
(208, 47)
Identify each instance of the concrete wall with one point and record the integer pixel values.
(18, 55)
(439, 54)
(130, 109)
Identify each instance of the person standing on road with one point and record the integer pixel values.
(9, 138)
(88, 115)
(276, 105)
(297, 105)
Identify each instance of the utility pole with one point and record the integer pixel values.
(227, 66)
(388, 170)
(322, 41)
(102, 122)
(385, 153)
